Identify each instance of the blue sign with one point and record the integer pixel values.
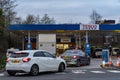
(28, 46)
(87, 49)
(105, 55)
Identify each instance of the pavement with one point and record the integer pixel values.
(2, 70)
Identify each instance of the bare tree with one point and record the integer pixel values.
(95, 17)
(30, 19)
(47, 20)
(1, 18)
(8, 17)
(7, 7)
(37, 19)
(18, 20)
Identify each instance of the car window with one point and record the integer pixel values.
(81, 53)
(71, 52)
(10, 52)
(47, 54)
(18, 55)
(116, 49)
(38, 54)
(98, 50)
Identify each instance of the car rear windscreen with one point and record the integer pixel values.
(18, 55)
(116, 49)
(71, 52)
(98, 50)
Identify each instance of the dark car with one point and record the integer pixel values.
(97, 53)
(76, 57)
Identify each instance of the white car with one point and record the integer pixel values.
(33, 62)
(114, 51)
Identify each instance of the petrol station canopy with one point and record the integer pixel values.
(31, 27)
(76, 30)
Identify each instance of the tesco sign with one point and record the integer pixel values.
(89, 27)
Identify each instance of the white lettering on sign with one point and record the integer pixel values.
(65, 40)
(89, 27)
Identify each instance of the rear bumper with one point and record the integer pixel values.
(22, 68)
(71, 62)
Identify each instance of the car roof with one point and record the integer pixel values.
(115, 48)
(98, 48)
(31, 51)
(74, 50)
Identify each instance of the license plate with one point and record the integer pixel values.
(15, 61)
(98, 53)
(66, 57)
(71, 62)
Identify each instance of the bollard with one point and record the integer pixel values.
(118, 63)
(110, 63)
(103, 64)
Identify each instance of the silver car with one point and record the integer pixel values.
(76, 57)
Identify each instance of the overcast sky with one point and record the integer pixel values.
(65, 11)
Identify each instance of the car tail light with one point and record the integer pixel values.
(26, 59)
(75, 56)
(7, 60)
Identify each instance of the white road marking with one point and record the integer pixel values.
(21, 73)
(61, 73)
(2, 74)
(113, 71)
(79, 71)
(97, 71)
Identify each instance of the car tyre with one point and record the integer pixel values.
(61, 67)
(11, 73)
(78, 63)
(88, 62)
(34, 70)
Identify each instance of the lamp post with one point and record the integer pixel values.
(86, 37)
(87, 45)
(29, 38)
(29, 45)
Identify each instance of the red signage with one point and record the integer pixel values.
(89, 27)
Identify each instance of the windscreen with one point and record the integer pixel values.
(98, 50)
(116, 50)
(18, 55)
(71, 52)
